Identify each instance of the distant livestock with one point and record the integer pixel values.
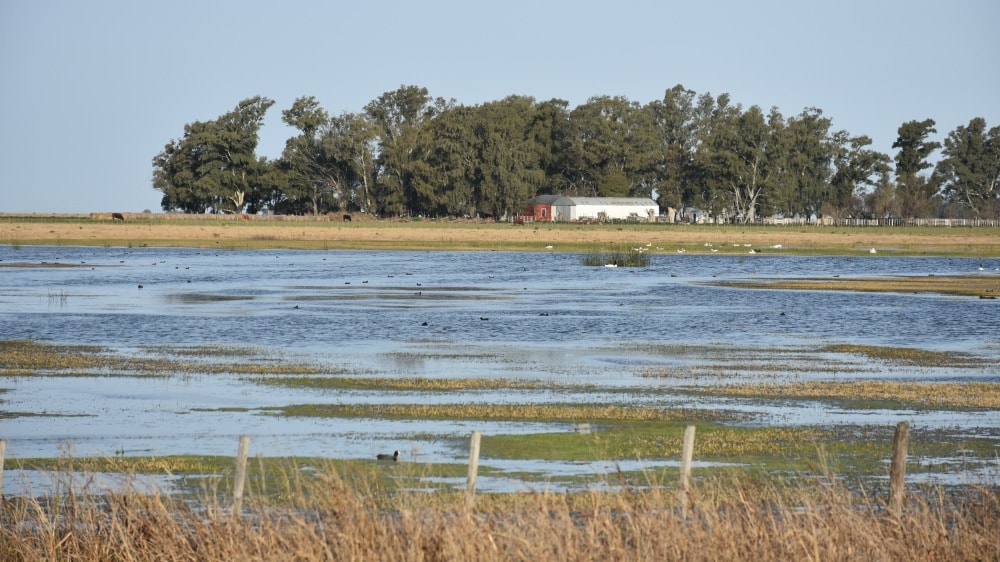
(347, 218)
(117, 217)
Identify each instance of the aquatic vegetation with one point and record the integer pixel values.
(519, 412)
(416, 383)
(28, 358)
(619, 257)
(983, 286)
(910, 356)
(975, 395)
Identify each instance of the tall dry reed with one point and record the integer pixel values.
(731, 518)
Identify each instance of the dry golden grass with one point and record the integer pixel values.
(322, 233)
(726, 519)
(979, 395)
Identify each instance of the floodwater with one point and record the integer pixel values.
(534, 316)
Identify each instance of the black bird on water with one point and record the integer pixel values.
(387, 457)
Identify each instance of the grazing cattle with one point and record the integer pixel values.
(117, 217)
(347, 218)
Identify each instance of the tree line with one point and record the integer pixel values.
(407, 153)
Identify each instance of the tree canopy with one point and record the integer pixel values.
(406, 153)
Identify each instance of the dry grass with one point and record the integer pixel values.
(727, 519)
(977, 395)
(306, 232)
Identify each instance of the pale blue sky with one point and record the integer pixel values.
(91, 91)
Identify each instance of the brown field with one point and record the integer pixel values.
(367, 233)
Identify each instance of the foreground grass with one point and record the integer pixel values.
(330, 517)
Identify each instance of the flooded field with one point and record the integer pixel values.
(345, 354)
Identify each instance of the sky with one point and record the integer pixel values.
(91, 91)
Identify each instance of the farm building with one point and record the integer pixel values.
(552, 208)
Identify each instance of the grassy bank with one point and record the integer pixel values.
(307, 233)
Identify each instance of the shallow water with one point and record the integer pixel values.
(439, 314)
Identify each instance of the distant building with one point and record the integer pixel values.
(561, 208)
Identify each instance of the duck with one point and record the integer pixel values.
(387, 457)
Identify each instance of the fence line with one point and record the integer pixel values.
(894, 505)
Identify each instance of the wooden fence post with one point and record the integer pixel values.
(241, 474)
(687, 452)
(470, 488)
(897, 470)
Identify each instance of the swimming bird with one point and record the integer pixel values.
(387, 457)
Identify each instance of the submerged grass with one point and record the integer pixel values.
(504, 412)
(964, 395)
(986, 286)
(415, 383)
(28, 358)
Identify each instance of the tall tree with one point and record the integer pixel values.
(858, 169)
(398, 116)
(213, 167)
(616, 147)
(676, 125)
(735, 159)
(969, 171)
(914, 190)
(313, 176)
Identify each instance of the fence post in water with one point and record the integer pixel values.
(241, 474)
(470, 487)
(897, 470)
(3, 449)
(687, 451)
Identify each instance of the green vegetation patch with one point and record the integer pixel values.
(412, 384)
(910, 356)
(503, 412)
(28, 358)
(618, 257)
(883, 394)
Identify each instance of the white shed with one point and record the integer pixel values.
(604, 208)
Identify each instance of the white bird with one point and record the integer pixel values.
(871, 250)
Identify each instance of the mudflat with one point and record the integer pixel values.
(367, 233)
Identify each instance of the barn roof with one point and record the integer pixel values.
(572, 201)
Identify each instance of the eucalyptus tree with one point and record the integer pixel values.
(350, 142)
(676, 124)
(213, 168)
(616, 147)
(445, 170)
(313, 176)
(548, 135)
(510, 169)
(807, 153)
(913, 190)
(858, 170)
(969, 171)
(398, 117)
(735, 161)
